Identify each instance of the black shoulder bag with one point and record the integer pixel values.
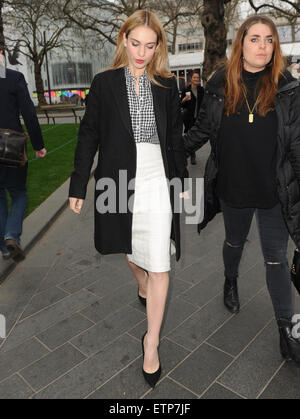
(13, 148)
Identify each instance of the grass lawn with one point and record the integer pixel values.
(48, 174)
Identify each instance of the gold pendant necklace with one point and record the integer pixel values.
(251, 114)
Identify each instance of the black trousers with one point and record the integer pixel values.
(274, 238)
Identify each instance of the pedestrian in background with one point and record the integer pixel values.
(251, 115)
(191, 99)
(295, 70)
(134, 117)
(15, 100)
(86, 100)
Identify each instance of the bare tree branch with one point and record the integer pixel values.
(293, 11)
(30, 19)
(106, 17)
(2, 39)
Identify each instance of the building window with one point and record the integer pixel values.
(285, 33)
(196, 46)
(72, 73)
(170, 48)
(297, 32)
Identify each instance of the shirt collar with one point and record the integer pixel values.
(143, 79)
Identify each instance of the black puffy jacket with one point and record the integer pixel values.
(207, 126)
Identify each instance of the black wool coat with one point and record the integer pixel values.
(189, 106)
(106, 127)
(15, 100)
(207, 127)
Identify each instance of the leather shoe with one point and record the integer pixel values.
(14, 248)
(289, 346)
(231, 295)
(142, 300)
(151, 379)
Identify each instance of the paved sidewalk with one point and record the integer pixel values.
(74, 322)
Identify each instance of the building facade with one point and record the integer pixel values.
(191, 43)
(71, 70)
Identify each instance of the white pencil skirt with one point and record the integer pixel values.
(152, 213)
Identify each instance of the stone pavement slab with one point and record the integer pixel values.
(74, 322)
(201, 368)
(284, 385)
(218, 392)
(259, 362)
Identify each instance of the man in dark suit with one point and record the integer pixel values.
(15, 99)
(191, 99)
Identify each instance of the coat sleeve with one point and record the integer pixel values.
(177, 128)
(183, 93)
(201, 96)
(295, 134)
(199, 134)
(29, 114)
(87, 145)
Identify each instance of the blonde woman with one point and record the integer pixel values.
(133, 116)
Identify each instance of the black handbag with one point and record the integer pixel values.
(295, 271)
(13, 148)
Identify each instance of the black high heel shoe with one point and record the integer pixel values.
(151, 379)
(142, 299)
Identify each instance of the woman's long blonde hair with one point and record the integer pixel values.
(269, 81)
(159, 64)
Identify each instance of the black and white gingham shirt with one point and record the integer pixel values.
(141, 109)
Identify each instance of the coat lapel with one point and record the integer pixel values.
(118, 86)
(160, 111)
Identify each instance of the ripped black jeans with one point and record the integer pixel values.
(274, 238)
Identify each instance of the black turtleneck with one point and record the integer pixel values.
(247, 155)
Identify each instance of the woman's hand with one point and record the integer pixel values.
(186, 99)
(41, 153)
(76, 205)
(185, 195)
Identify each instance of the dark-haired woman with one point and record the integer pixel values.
(191, 99)
(251, 114)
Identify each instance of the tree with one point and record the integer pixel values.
(212, 19)
(28, 21)
(101, 16)
(289, 10)
(106, 17)
(175, 14)
(2, 39)
(232, 16)
(283, 8)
